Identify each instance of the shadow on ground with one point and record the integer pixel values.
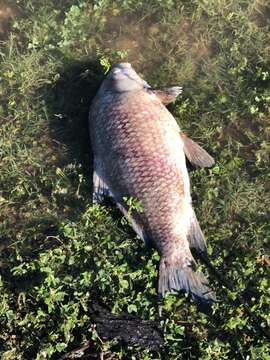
(68, 106)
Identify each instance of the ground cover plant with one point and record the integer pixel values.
(59, 254)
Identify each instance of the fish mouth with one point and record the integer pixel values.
(122, 68)
(125, 79)
(123, 71)
(127, 69)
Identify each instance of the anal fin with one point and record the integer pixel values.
(195, 236)
(195, 153)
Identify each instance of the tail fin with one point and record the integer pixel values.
(177, 277)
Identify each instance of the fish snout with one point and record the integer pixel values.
(124, 78)
(123, 65)
(123, 68)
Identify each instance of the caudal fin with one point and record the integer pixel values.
(184, 277)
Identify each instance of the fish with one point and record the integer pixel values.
(139, 152)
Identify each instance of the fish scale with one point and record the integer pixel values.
(131, 133)
(139, 153)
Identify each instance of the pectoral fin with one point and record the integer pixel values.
(195, 153)
(167, 95)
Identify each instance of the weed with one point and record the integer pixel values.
(58, 252)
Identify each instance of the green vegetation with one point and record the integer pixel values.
(58, 252)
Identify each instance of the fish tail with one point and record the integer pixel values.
(182, 276)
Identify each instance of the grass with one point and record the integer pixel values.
(58, 252)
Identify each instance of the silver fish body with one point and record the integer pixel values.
(139, 152)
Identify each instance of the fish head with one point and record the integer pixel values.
(123, 78)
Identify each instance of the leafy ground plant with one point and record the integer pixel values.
(59, 254)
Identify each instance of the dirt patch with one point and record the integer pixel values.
(7, 14)
(261, 15)
(151, 45)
